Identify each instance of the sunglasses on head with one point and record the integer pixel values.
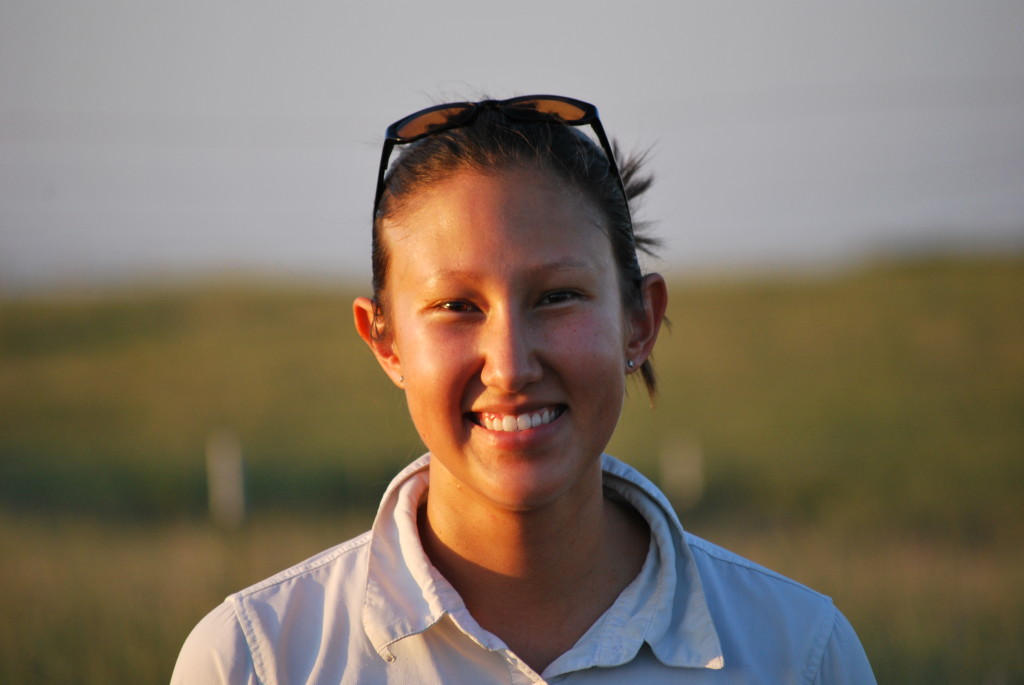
(545, 108)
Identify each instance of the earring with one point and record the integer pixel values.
(630, 363)
(401, 379)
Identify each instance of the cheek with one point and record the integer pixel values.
(592, 346)
(430, 357)
(436, 370)
(431, 407)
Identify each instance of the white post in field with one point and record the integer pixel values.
(225, 479)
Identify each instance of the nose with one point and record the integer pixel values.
(509, 348)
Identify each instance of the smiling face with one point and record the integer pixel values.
(505, 325)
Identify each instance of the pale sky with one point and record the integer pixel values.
(149, 139)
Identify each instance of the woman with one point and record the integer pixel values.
(510, 307)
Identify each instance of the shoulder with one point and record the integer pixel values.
(338, 565)
(215, 652)
(762, 616)
(244, 639)
(742, 593)
(724, 569)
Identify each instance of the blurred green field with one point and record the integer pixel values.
(861, 431)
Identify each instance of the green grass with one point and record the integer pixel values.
(860, 431)
(111, 602)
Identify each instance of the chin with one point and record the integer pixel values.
(528, 489)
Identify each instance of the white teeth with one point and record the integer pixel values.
(509, 423)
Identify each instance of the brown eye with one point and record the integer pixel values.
(456, 306)
(560, 296)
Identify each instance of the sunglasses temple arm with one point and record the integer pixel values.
(607, 146)
(385, 156)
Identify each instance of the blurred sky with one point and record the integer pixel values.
(141, 138)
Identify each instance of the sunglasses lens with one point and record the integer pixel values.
(423, 123)
(566, 111)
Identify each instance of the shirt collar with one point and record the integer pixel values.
(681, 631)
(664, 606)
(402, 596)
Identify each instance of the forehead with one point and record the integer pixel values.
(497, 221)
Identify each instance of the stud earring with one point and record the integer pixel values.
(630, 363)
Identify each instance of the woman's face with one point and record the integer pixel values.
(507, 331)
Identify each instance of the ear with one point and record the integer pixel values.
(644, 326)
(381, 341)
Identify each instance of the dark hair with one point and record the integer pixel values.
(493, 141)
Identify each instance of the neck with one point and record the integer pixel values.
(536, 578)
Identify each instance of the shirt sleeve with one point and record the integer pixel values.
(844, 661)
(215, 653)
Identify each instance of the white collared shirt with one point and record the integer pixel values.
(374, 610)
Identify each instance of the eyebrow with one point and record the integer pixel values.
(560, 265)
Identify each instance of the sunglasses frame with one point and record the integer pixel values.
(516, 108)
